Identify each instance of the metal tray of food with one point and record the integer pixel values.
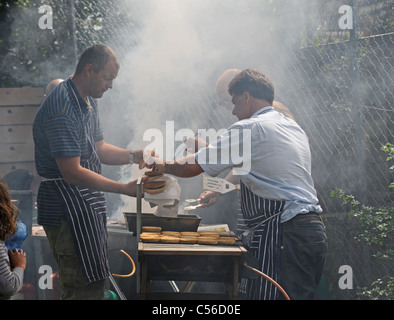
(183, 222)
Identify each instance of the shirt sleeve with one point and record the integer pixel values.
(63, 136)
(10, 281)
(231, 150)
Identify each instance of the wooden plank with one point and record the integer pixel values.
(17, 152)
(21, 96)
(15, 134)
(192, 249)
(18, 115)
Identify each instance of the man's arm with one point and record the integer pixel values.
(112, 155)
(185, 168)
(73, 173)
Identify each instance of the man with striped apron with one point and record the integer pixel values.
(269, 153)
(69, 150)
(85, 213)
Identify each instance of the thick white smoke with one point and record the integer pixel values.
(179, 48)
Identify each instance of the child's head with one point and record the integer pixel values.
(8, 213)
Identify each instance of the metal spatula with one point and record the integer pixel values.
(218, 184)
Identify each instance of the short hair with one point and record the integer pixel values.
(98, 56)
(255, 83)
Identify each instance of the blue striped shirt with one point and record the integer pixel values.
(59, 130)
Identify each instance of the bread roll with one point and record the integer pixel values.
(190, 240)
(169, 239)
(151, 229)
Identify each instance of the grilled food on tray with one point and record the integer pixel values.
(152, 234)
(151, 229)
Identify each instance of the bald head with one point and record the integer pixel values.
(52, 85)
(222, 86)
(280, 107)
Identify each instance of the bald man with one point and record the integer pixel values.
(52, 85)
(222, 87)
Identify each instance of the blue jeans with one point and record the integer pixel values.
(302, 255)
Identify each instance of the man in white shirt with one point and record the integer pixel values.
(270, 155)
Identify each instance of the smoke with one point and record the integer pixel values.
(171, 53)
(177, 49)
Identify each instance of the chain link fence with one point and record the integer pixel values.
(334, 71)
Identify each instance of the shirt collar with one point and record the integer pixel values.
(81, 101)
(262, 110)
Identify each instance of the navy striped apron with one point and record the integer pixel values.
(259, 229)
(85, 210)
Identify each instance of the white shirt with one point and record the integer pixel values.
(273, 160)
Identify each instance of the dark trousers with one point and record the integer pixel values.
(302, 255)
(73, 285)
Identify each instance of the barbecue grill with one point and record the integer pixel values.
(182, 262)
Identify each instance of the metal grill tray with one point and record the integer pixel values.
(183, 222)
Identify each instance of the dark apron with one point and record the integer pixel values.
(85, 210)
(259, 228)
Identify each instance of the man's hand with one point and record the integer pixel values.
(195, 144)
(145, 158)
(131, 187)
(208, 198)
(159, 166)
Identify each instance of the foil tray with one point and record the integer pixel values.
(183, 222)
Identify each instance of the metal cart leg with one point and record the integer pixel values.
(138, 231)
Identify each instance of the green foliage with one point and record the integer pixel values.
(32, 56)
(389, 148)
(377, 223)
(376, 229)
(381, 289)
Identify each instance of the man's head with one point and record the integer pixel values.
(250, 90)
(96, 69)
(224, 98)
(255, 83)
(52, 85)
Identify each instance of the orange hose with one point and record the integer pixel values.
(270, 280)
(132, 272)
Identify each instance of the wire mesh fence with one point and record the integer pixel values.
(330, 61)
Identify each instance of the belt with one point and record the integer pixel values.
(310, 212)
(311, 215)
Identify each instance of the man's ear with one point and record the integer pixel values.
(246, 96)
(88, 70)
